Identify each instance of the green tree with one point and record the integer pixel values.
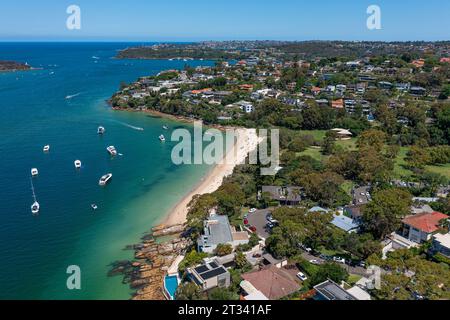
(188, 291)
(331, 271)
(383, 214)
(223, 249)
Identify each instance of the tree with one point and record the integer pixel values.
(325, 188)
(241, 262)
(374, 166)
(223, 249)
(191, 259)
(331, 271)
(361, 246)
(188, 291)
(372, 138)
(383, 214)
(199, 208)
(230, 198)
(418, 157)
(329, 143)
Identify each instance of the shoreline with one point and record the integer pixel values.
(214, 178)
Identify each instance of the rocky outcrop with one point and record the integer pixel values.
(146, 272)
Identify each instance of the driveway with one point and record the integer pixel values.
(258, 220)
(353, 270)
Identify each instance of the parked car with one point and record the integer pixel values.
(302, 276)
(252, 229)
(361, 264)
(339, 260)
(246, 222)
(314, 261)
(252, 210)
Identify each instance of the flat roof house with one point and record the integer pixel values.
(210, 275)
(329, 290)
(217, 230)
(441, 244)
(284, 195)
(420, 227)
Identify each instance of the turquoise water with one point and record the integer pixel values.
(36, 251)
(171, 284)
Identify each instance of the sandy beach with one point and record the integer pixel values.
(247, 141)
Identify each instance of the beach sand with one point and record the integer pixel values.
(247, 141)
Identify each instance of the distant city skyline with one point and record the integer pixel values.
(199, 20)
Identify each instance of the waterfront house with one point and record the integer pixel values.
(217, 230)
(209, 275)
(273, 283)
(421, 227)
(284, 195)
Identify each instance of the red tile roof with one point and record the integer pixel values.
(274, 283)
(426, 222)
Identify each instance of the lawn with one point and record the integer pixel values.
(314, 153)
(400, 169)
(347, 144)
(442, 169)
(317, 134)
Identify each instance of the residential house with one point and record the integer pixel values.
(209, 275)
(329, 290)
(245, 106)
(354, 212)
(273, 283)
(284, 195)
(345, 223)
(337, 104)
(268, 259)
(418, 91)
(420, 227)
(441, 244)
(342, 134)
(250, 293)
(217, 230)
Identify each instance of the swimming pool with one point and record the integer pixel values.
(171, 285)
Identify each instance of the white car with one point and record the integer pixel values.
(314, 261)
(302, 276)
(339, 260)
(252, 210)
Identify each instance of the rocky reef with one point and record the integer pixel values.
(145, 273)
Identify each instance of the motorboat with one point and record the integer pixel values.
(34, 172)
(46, 148)
(77, 164)
(94, 206)
(35, 206)
(162, 138)
(105, 179)
(101, 130)
(112, 150)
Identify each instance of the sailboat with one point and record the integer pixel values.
(35, 206)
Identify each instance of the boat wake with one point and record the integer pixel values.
(72, 96)
(130, 126)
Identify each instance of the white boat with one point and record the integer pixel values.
(35, 206)
(34, 172)
(162, 138)
(77, 164)
(46, 148)
(101, 130)
(94, 206)
(112, 150)
(105, 179)
(165, 127)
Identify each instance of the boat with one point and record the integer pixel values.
(105, 179)
(94, 206)
(77, 164)
(46, 148)
(101, 130)
(34, 172)
(35, 206)
(162, 138)
(112, 150)
(165, 127)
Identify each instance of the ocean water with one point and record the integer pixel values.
(36, 251)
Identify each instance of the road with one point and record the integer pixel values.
(353, 270)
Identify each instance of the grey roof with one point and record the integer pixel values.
(329, 290)
(216, 230)
(283, 193)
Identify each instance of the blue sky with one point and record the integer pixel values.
(192, 20)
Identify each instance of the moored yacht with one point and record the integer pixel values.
(165, 127)
(101, 130)
(35, 206)
(105, 179)
(77, 164)
(34, 172)
(162, 138)
(46, 148)
(112, 150)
